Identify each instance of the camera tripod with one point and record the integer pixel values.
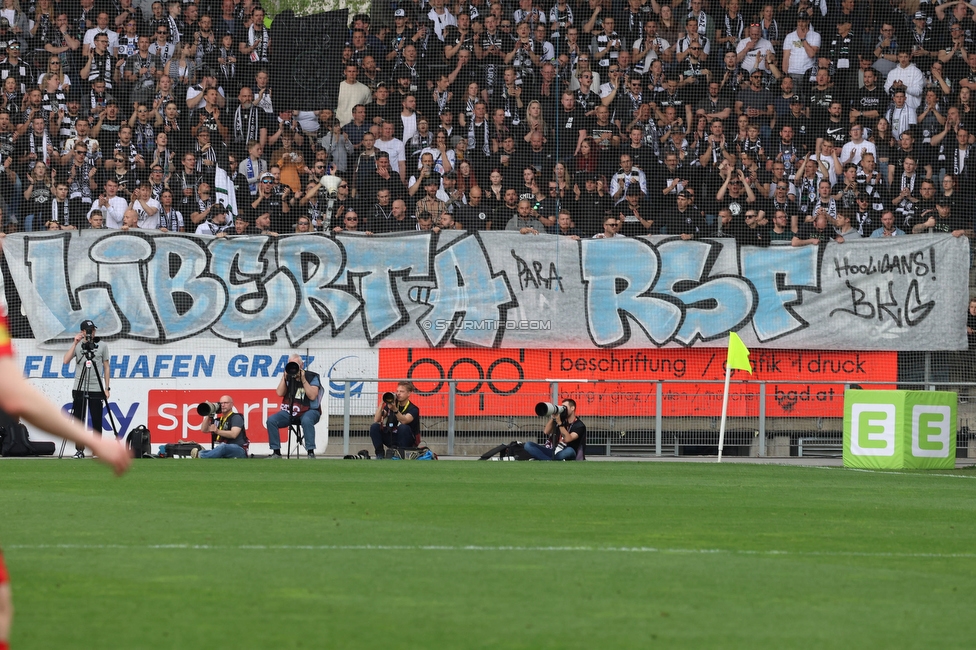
(295, 428)
(88, 354)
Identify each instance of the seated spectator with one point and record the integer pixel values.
(888, 227)
(815, 233)
(216, 222)
(525, 221)
(611, 228)
(350, 225)
(564, 226)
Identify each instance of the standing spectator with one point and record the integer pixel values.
(351, 93)
(800, 48)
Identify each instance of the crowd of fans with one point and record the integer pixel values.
(776, 123)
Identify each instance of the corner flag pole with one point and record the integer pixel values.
(738, 358)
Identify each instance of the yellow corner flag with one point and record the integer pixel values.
(738, 358)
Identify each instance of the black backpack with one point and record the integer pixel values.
(16, 442)
(138, 441)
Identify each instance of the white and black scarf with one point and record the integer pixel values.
(227, 69)
(959, 158)
(67, 128)
(129, 151)
(174, 30)
(80, 188)
(164, 53)
(145, 136)
(209, 154)
(52, 102)
(127, 45)
(204, 45)
(187, 182)
(636, 101)
(486, 140)
(214, 228)
(260, 52)
(203, 206)
(733, 27)
(40, 149)
(59, 212)
(252, 131)
(441, 100)
(171, 220)
(96, 99)
(101, 68)
(770, 32)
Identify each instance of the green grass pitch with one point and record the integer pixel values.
(342, 554)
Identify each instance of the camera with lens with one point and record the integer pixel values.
(548, 408)
(389, 400)
(88, 343)
(208, 409)
(292, 369)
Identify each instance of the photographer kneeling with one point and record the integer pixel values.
(396, 423)
(570, 431)
(229, 429)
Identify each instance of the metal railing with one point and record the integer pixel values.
(629, 417)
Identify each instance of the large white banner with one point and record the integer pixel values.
(493, 290)
(161, 386)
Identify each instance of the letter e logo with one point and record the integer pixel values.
(878, 432)
(930, 427)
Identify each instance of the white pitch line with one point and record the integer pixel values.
(886, 471)
(479, 548)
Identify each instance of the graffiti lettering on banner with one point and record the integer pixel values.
(493, 290)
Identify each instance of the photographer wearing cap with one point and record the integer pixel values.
(570, 431)
(228, 429)
(89, 379)
(300, 392)
(396, 423)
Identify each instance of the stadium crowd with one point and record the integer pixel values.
(784, 123)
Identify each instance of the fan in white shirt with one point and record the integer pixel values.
(908, 77)
(102, 27)
(111, 205)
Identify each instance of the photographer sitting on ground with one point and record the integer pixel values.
(229, 428)
(396, 423)
(571, 432)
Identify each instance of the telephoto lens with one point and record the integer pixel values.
(208, 408)
(548, 408)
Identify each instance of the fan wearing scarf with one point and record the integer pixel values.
(257, 42)
(250, 121)
(36, 145)
(216, 224)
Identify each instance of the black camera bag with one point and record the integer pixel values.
(181, 449)
(514, 450)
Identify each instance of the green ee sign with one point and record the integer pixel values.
(897, 429)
